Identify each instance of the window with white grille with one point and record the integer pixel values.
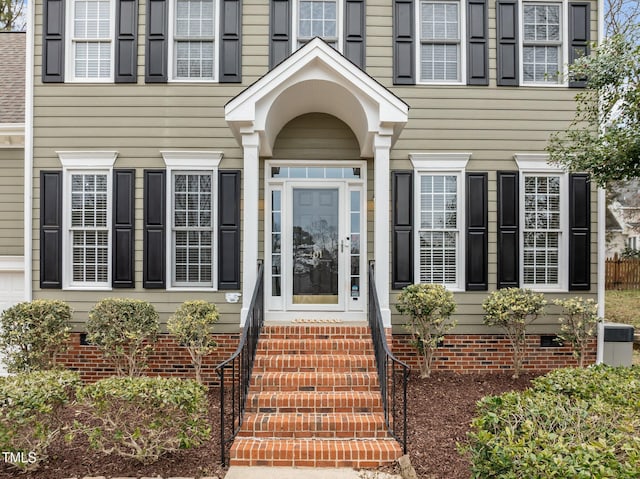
(438, 233)
(542, 42)
(194, 39)
(192, 228)
(318, 18)
(92, 39)
(90, 228)
(542, 230)
(440, 34)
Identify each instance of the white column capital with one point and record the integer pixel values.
(382, 141)
(250, 139)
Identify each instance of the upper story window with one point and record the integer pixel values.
(92, 40)
(318, 18)
(542, 40)
(440, 39)
(194, 40)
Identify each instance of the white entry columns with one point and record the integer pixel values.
(382, 224)
(251, 188)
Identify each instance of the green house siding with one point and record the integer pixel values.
(11, 202)
(140, 120)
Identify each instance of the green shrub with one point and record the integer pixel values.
(429, 307)
(33, 333)
(578, 324)
(513, 309)
(123, 330)
(192, 326)
(143, 418)
(30, 412)
(566, 426)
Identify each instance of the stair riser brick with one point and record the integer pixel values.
(312, 425)
(274, 347)
(356, 454)
(314, 363)
(316, 332)
(310, 381)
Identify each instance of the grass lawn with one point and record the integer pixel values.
(624, 307)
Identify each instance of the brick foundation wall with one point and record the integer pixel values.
(464, 353)
(458, 353)
(168, 359)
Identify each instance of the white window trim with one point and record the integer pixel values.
(70, 76)
(536, 164)
(563, 74)
(194, 161)
(171, 77)
(439, 164)
(339, 27)
(84, 162)
(462, 67)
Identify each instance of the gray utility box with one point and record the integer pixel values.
(618, 344)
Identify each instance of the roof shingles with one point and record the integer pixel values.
(12, 76)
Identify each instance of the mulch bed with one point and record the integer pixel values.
(439, 411)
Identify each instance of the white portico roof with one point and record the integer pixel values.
(317, 78)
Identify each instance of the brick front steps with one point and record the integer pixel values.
(314, 401)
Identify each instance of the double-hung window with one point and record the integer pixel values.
(192, 228)
(194, 40)
(439, 218)
(191, 236)
(542, 231)
(440, 55)
(544, 223)
(542, 37)
(92, 40)
(87, 193)
(318, 18)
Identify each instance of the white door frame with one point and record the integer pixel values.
(351, 307)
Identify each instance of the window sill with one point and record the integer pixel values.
(87, 288)
(440, 83)
(545, 85)
(180, 289)
(192, 80)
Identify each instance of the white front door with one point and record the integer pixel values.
(313, 250)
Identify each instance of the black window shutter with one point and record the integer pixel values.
(51, 229)
(53, 41)
(230, 41)
(354, 32)
(279, 31)
(579, 34)
(123, 228)
(477, 43)
(579, 232)
(477, 232)
(229, 229)
(157, 44)
(154, 258)
(508, 229)
(507, 41)
(404, 62)
(126, 68)
(402, 206)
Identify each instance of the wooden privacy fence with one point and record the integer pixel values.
(622, 273)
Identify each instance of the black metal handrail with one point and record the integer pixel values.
(390, 369)
(240, 365)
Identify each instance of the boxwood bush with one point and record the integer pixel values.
(33, 333)
(124, 329)
(577, 423)
(142, 417)
(31, 406)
